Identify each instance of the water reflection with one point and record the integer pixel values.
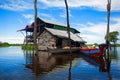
(114, 53)
(12, 66)
(28, 56)
(45, 62)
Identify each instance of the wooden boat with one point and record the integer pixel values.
(60, 50)
(94, 51)
(88, 51)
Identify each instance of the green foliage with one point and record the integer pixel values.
(96, 44)
(28, 47)
(5, 44)
(118, 45)
(113, 36)
(16, 44)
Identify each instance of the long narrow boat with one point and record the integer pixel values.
(94, 51)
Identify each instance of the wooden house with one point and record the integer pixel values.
(53, 35)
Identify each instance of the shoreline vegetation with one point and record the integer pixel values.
(30, 46)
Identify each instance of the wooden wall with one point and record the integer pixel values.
(46, 40)
(65, 43)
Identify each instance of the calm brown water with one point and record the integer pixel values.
(16, 64)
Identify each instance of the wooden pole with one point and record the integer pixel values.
(35, 25)
(108, 20)
(68, 31)
(108, 25)
(68, 25)
(107, 56)
(35, 57)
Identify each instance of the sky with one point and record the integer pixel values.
(87, 16)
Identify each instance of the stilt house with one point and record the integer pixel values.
(52, 35)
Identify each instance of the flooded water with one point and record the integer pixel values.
(16, 64)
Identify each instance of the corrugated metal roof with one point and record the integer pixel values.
(53, 22)
(64, 34)
(57, 23)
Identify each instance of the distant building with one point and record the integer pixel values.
(52, 35)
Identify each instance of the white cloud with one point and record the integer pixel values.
(20, 5)
(90, 39)
(63, 14)
(16, 5)
(20, 21)
(98, 5)
(12, 40)
(95, 33)
(116, 27)
(47, 16)
(29, 17)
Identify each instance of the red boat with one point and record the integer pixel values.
(94, 51)
(95, 61)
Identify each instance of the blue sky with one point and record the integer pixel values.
(87, 16)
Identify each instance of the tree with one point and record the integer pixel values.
(114, 36)
(5, 44)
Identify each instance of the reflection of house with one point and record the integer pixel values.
(45, 62)
(53, 35)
